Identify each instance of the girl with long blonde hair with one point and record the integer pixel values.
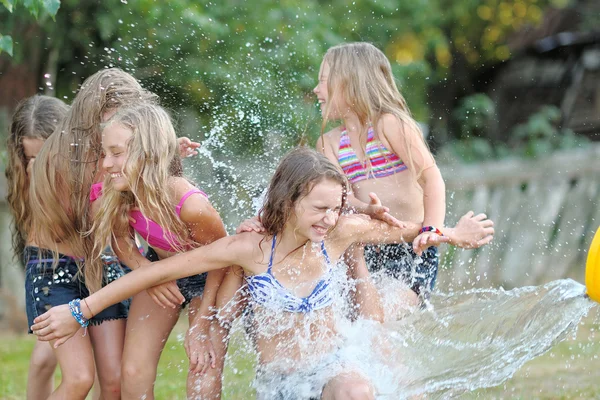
(34, 120)
(381, 150)
(140, 195)
(61, 179)
(67, 167)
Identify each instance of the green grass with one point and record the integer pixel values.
(570, 370)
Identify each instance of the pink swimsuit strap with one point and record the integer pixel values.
(152, 232)
(184, 198)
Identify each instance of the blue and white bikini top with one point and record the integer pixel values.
(267, 291)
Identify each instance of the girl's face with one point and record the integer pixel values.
(323, 95)
(317, 213)
(31, 148)
(115, 138)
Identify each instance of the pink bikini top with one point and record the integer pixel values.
(149, 230)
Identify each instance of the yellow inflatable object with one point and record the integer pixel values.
(592, 269)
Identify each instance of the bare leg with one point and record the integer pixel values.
(77, 366)
(108, 339)
(148, 327)
(366, 300)
(41, 371)
(208, 386)
(348, 386)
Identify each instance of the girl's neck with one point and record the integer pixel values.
(289, 241)
(352, 124)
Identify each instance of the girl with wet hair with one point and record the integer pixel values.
(290, 269)
(62, 175)
(381, 150)
(139, 143)
(62, 178)
(33, 122)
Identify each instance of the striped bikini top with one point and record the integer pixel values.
(267, 291)
(382, 161)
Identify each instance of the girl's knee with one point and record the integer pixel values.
(129, 371)
(79, 384)
(360, 390)
(111, 385)
(42, 364)
(134, 375)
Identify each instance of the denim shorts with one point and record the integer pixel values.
(400, 262)
(47, 286)
(190, 286)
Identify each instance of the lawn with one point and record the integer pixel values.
(570, 370)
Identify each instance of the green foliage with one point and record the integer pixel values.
(37, 8)
(541, 134)
(6, 44)
(474, 115)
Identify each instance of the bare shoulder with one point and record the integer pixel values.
(329, 141)
(390, 125)
(247, 247)
(194, 205)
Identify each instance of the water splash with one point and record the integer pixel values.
(461, 342)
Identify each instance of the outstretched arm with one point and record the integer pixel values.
(472, 231)
(58, 324)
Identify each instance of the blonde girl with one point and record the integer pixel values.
(33, 122)
(61, 179)
(67, 167)
(381, 150)
(291, 269)
(140, 195)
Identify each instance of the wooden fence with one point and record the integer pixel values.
(545, 213)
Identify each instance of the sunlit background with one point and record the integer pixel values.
(507, 93)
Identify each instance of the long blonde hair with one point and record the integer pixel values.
(361, 75)
(150, 152)
(66, 166)
(35, 117)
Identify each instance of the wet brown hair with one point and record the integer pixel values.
(35, 117)
(294, 178)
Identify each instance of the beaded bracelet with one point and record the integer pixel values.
(75, 307)
(431, 229)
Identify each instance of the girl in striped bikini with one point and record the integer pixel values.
(382, 152)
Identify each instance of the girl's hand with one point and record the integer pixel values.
(473, 231)
(166, 295)
(376, 211)
(427, 239)
(55, 324)
(251, 225)
(199, 350)
(187, 148)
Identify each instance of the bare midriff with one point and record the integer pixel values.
(288, 340)
(406, 206)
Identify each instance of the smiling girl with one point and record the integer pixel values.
(140, 195)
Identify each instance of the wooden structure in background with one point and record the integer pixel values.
(545, 213)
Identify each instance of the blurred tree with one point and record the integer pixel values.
(255, 62)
